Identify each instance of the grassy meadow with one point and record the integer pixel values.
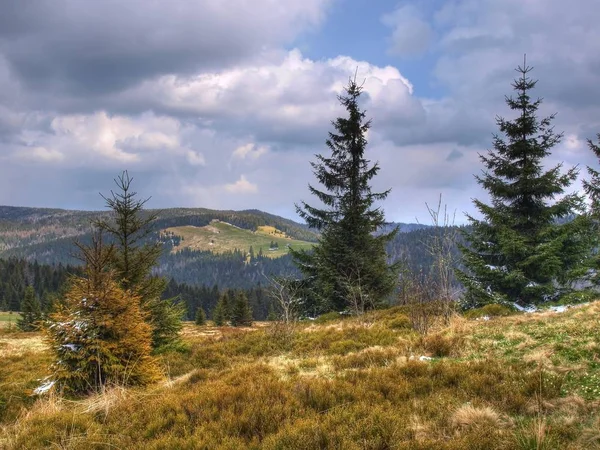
(526, 381)
(220, 237)
(8, 319)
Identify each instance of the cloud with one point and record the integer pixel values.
(249, 151)
(454, 155)
(40, 154)
(242, 186)
(204, 102)
(411, 35)
(79, 47)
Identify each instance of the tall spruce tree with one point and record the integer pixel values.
(521, 250)
(135, 256)
(349, 254)
(592, 189)
(31, 311)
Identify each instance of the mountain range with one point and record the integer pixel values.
(236, 249)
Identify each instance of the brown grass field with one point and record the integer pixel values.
(527, 381)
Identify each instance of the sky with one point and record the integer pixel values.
(223, 104)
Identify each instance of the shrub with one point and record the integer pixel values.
(328, 317)
(400, 322)
(469, 416)
(439, 345)
(491, 310)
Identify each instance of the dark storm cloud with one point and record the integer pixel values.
(82, 47)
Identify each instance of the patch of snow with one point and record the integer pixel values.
(71, 347)
(486, 318)
(425, 358)
(44, 387)
(491, 267)
(559, 309)
(525, 309)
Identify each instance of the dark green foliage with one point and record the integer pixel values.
(222, 312)
(241, 314)
(134, 259)
(31, 311)
(200, 316)
(592, 189)
(16, 274)
(490, 310)
(349, 255)
(519, 251)
(272, 315)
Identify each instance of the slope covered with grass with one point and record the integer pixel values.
(220, 237)
(528, 381)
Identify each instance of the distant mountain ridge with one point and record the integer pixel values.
(46, 235)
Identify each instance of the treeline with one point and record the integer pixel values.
(207, 297)
(17, 274)
(194, 272)
(229, 270)
(48, 282)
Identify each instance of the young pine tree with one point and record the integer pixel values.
(222, 311)
(241, 313)
(98, 334)
(134, 258)
(518, 252)
(349, 255)
(271, 315)
(200, 317)
(31, 311)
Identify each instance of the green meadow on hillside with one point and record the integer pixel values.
(526, 381)
(220, 237)
(7, 318)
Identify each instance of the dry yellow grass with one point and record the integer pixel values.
(344, 384)
(17, 344)
(469, 416)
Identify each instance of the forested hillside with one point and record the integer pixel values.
(46, 236)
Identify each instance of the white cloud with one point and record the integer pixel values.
(40, 154)
(249, 151)
(206, 92)
(242, 186)
(195, 158)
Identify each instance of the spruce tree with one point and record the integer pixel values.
(349, 254)
(592, 189)
(134, 258)
(241, 314)
(200, 316)
(31, 311)
(222, 311)
(519, 251)
(98, 333)
(272, 315)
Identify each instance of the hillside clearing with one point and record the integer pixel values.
(8, 319)
(517, 382)
(221, 237)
